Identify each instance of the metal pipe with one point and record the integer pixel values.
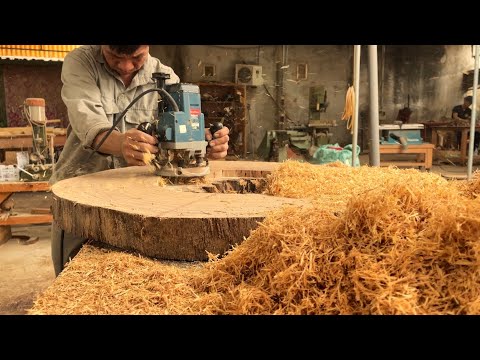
(474, 115)
(382, 78)
(374, 153)
(279, 93)
(356, 86)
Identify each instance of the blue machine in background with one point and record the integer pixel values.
(403, 134)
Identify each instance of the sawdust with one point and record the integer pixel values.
(376, 241)
(105, 281)
(148, 157)
(470, 189)
(161, 182)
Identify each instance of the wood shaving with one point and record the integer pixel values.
(376, 241)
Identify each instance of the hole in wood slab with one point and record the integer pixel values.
(183, 180)
(237, 186)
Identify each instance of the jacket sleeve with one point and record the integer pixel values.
(82, 97)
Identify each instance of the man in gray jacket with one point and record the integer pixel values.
(100, 81)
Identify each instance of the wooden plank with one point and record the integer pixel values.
(27, 131)
(25, 142)
(19, 186)
(20, 219)
(411, 149)
(424, 155)
(402, 163)
(127, 208)
(40, 211)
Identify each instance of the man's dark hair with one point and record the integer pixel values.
(468, 98)
(124, 49)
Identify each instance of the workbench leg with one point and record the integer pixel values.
(434, 137)
(5, 230)
(429, 159)
(421, 160)
(5, 233)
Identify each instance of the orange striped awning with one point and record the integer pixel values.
(35, 52)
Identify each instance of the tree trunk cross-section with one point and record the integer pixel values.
(127, 208)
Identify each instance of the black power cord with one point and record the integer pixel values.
(122, 114)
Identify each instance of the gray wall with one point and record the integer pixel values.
(188, 61)
(431, 74)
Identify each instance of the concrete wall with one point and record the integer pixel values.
(188, 61)
(28, 79)
(328, 65)
(431, 74)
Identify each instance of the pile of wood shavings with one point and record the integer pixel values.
(334, 184)
(377, 241)
(104, 281)
(470, 189)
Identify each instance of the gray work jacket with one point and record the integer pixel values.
(93, 94)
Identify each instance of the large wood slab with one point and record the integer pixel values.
(127, 208)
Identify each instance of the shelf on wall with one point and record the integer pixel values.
(236, 119)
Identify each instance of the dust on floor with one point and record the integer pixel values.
(25, 270)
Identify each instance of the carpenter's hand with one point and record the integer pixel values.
(219, 145)
(137, 147)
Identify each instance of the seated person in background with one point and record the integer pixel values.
(461, 114)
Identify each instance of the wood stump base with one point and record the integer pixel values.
(127, 208)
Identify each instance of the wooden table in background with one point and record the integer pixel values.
(6, 190)
(20, 138)
(436, 126)
(424, 155)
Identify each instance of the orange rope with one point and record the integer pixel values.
(349, 107)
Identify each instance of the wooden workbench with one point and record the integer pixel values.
(434, 127)
(20, 138)
(424, 155)
(129, 209)
(6, 190)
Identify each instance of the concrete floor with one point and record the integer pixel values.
(27, 270)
